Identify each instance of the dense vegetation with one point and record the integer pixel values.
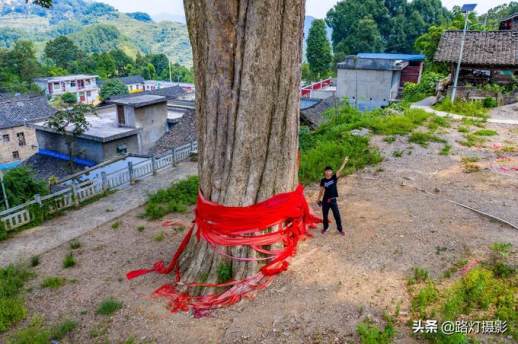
(94, 27)
(176, 198)
(19, 64)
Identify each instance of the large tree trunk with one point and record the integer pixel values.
(247, 57)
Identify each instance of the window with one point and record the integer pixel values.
(5, 138)
(16, 155)
(88, 94)
(72, 84)
(21, 139)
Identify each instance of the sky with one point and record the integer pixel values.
(315, 8)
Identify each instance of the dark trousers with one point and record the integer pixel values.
(333, 205)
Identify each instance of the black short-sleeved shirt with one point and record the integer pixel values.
(330, 187)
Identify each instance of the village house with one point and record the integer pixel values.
(18, 140)
(134, 83)
(488, 57)
(83, 86)
(374, 80)
(510, 23)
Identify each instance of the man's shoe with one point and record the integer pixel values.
(323, 231)
(341, 233)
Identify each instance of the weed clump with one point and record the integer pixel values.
(109, 306)
(174, 199)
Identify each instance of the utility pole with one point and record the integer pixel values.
(170, 75)
(466, 9)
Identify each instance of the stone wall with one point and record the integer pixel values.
(24, 151)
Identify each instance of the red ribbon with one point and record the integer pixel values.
(288, 214)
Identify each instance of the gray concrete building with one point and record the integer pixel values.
(130, 125)
(370, 81)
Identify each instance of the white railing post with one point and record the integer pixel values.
(104, 179)
(173, 160)
(75, 195)
(37, 199)
(153, 165)
(131, 172)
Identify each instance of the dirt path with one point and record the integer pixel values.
(332, 284)
(74, 223)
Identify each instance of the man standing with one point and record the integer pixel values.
(329, 191)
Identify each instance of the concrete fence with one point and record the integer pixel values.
(74, 195)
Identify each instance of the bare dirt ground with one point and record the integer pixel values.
(332, 284)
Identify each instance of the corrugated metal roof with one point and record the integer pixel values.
(387, 56)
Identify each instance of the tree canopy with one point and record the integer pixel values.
(318, 49)
(112, 88)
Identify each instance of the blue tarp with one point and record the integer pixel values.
(387, 56)
(10, 165)
(61, 156)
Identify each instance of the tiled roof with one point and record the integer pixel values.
(489, 48)
(313, 115)
(182, 133)
(18, 110)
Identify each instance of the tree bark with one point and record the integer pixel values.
(247, 56)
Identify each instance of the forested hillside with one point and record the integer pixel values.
(94, 27)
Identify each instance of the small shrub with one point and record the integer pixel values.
(61, 330)
(370, 334)
(463, 129)
(424, 298)
(141, 228)
(75, 244)
(116, 225)
(159, 237)
(490, 102)
(445, 149)
(472, 140)
(389, 139)
(109, 306)
(69, 261)
(397, 153)
(54, 282)
(418, 275)
(35, 261)
(224, 272)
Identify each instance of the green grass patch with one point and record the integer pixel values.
(437, 122)
(53, 282)
(369, 333)
(116, 225)
(159, 237)
(69, 261)
(12, 305)
(37, 333)
(418, 275)
(485, 132)
(488, 291)
(477, 122)
(463, 129)
(141, 228)
(174, 199)
(424, 139)
(389, 139)
(471, 140)
(109, 306)
(466, 108)
(397, 153)
(446, 149)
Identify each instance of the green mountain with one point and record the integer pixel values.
(94, 27)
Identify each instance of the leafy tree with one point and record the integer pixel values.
(112, 88)
(69, 98)
(181, 73)
(18, 67)
(21, 185)
(161, 64)
(318, 49)
(141, 16)
(123, 63)
(364, 37)
(149, 72)
(105, 65)
(71, 123)
(62, 51)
